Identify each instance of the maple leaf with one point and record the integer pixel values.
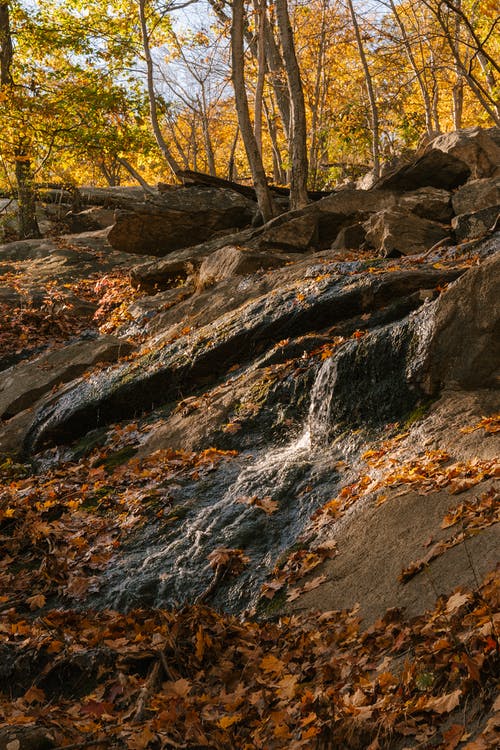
(270, 663)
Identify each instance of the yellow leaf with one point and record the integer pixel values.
(270, 663)
(228, 721)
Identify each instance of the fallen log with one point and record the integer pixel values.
(189, 177)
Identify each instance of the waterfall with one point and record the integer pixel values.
(168, 563)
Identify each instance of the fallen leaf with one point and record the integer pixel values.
(443, 704)
(456, 601)
(228, 721)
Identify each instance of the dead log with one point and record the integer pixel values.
(189, 177)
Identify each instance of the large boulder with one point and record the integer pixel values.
(318, 224)
(448, 161)
(478, 148)
(180, 218)
(23, 384)
(434, 168)
(463, 344)
(395, 232)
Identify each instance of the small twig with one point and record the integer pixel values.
(220, 571)
(146, 691)
(434, 247)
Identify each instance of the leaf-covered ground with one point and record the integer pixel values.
(194, 678)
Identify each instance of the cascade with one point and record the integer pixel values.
(167, 565)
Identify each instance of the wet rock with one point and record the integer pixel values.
(463, 346)
(374, 368)
(476, 224)
(395, 232)
(22, 385)
(476, 195)
(179, 219)
(234, 260)
(190, 360)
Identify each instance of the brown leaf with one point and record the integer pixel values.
(456, 601)
(270, 663)
(443, 704)
(453, 736)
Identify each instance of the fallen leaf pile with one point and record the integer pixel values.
(195, 678)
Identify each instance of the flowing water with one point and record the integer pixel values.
(166, 564)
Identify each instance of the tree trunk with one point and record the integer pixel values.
(274, 62)
(316, 104)
(252, 150)
(260, 11)
(207, 139)
(279, 176)
(298, 137)
(5, 45)
(27, 222)
(371, 92)
(135, 174)
(231, 167)
(153, 112)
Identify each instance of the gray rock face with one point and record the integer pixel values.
(395, 232)
(179, 366)
(234, 260)
(464, 345)
(297, 234)
(475, 195)
(476, 224)
(162, 274)
(428, 203)
(181, 218)
(24, 384)
(318, 224)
